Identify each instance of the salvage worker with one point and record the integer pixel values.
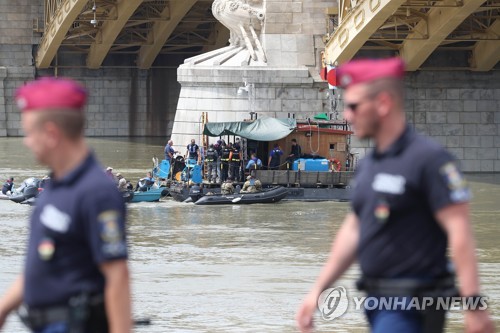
(227, 186)
(254, 162)
(274, 161)
(193, 152)
(169, 152)
(122, 185)
(109, 173)
(252, 185)
(211, 161)
(76, 276)
(218, 149)
(224, 161)
(410, 204)
(237, 144)
(295, 153)
(235, 158)
(7, 186)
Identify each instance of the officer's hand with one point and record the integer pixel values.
(304, 317)
(478, 321)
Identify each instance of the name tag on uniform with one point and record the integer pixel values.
(55, 219)
(387, 183)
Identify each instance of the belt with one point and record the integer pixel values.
(38, 318)
(444, 286)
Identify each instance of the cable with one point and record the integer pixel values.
(313, 152)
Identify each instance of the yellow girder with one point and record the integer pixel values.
(440, 22)
(486, 54)
(162, 30)
(56, 29)
(109, 31)
(357, 27)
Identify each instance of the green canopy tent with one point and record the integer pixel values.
(263, 129)
(321, 116)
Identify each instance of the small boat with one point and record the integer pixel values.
(269, 195)
(151, 195)
(30, 188)
(4, 196)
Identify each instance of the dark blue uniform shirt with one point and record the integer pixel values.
(396, 196)
(78, 223)
(193, 151)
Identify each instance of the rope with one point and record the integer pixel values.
(314, 152)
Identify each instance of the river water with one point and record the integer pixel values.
(228, 268)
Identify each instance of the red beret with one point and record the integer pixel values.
(51, 93)
(367, 70)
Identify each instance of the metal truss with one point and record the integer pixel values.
(418, 28)
(144, 28)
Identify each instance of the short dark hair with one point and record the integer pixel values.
(294, 140)
(395, 87)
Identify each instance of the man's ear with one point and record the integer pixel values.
(53, 134)
(385, 103)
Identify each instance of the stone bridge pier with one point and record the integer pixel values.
(270, 68)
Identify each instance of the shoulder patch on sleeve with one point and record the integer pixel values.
(111, 234)
(459, 190)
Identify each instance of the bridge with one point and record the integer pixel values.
(131, 55)
(137, 31)
(415, 29)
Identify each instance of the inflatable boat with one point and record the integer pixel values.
(269, 195)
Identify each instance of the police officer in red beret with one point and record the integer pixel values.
(410, 204)
(76, 276)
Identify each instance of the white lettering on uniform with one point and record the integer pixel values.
(386, 183)
(54, 219)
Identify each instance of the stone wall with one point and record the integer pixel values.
(293, 30)
(122, 102)
(16, 58)
(128, 102)
(10, 118)
(278, 93)
(461, 110)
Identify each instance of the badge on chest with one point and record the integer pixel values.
(46, 248)
(382, 210)
(390, 184)
(384, 185)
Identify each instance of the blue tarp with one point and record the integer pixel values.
(263, 129)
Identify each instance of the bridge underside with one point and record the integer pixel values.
(444, 34)
(127, 33)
